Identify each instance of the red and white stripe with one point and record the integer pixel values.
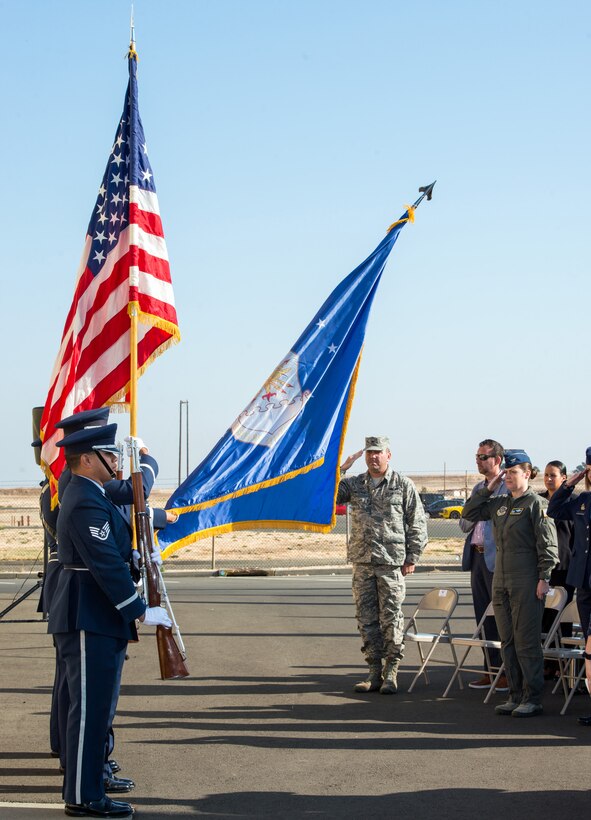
(92, 368)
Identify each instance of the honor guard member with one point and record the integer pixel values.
(388, 535)
(121, 493)
(93, 615)
(50, 577)
(49, 522)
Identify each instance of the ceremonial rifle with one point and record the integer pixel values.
(120, 456)
(172, 659)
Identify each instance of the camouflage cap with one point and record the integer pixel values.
(377, 443)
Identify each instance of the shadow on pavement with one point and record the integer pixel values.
(460, 804)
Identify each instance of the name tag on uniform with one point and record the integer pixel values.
(516, 511)
(502, 510)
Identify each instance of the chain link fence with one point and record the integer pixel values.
(21, 537)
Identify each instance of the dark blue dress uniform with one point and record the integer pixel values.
(49, 521)
(120, 492)
(92, 618)
(50, 578)
(567, 506)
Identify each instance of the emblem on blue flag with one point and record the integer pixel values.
(275, 407)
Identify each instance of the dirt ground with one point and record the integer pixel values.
(21, 536)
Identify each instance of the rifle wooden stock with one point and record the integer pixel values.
(172, 662)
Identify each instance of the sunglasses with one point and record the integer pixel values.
(480, 457)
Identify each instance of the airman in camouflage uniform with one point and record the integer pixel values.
(388, 535)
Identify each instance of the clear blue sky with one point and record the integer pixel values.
(284, 139)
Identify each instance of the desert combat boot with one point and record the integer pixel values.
(390, 684)
(374, 678)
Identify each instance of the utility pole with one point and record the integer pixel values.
(183, 427)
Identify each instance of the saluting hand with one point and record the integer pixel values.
(496, 481)
(575, 478)
(351, 460)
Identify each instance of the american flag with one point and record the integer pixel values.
(124, 262)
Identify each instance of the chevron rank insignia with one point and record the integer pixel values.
(103, 533)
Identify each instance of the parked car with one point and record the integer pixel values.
(446, 508)
(431, 498)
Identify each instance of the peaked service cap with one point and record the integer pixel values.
(86, 418)
(90, 438)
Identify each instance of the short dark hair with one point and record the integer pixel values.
(73, 461)
(559, 466)
(497, 448)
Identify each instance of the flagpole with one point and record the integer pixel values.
(425, 191)
(133, 306)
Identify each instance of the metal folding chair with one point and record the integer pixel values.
(568, 651)
(478, 641)
(441, 601)
(555, 600)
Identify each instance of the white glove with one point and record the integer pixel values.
(156, 616)
(156, 557)
(129, 440)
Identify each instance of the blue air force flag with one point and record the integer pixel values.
(278, 465)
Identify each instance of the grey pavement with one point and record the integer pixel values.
(268, 725)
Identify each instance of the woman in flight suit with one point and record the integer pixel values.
(527, 552)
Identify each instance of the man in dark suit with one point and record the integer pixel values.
(93, 614)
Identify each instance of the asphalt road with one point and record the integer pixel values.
(268, 724)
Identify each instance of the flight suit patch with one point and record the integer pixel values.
(501, 510)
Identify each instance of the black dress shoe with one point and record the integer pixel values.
(99, 808)
(585, 721)
(115, 767)
(118, 784)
